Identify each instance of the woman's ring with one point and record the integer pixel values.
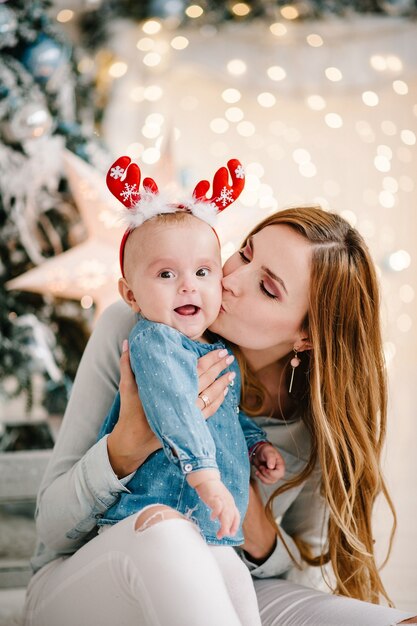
(205, 399)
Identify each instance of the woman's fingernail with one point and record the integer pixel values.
(222, 353)
(226, 391)
(232, 376)
(230, 359)
(125, 345)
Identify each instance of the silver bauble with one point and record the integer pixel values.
(44, 58)
(31, 121)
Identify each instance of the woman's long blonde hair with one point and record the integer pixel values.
(342, 396)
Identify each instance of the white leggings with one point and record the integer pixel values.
(166, 575)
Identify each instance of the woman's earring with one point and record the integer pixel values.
(295, 362)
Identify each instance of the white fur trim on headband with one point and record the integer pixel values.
(152, 204)
(206, 211)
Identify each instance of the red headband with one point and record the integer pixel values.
(123, 180)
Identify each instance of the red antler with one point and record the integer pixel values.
(223, 193)
(123, 180)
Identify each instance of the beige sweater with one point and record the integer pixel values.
(79, 484)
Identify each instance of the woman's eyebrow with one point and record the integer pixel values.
(267, 270)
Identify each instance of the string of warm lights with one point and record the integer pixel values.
(180, 11)
(277, 91)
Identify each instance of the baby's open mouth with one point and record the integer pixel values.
(187, 309)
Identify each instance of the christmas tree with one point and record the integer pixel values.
(45, 107)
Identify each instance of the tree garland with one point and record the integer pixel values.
(98, 20)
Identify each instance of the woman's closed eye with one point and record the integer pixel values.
(273, 294)
(266, 292)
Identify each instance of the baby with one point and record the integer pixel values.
(172, 273)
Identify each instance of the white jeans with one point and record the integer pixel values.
(166, 575)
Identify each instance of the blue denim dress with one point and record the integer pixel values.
(164, 362)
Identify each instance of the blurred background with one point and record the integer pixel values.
(318, 99)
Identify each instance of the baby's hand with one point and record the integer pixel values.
(219, 499)
(221, 502)
(270, 466)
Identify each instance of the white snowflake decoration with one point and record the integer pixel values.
(240, 172)
(225, 197)
(130, 192)
(117, 172)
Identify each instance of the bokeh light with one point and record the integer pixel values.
(151, 27)
(278, 29)
(314, 40)
(276, 72)
(370, 98)
(231, 95)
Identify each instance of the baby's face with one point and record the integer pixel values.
(174, 274)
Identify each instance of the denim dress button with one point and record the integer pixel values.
(188, 467)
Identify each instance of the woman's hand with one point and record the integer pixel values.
(260, 535)
(132, 440)
(209, 367)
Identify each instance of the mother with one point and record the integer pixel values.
(303, 284)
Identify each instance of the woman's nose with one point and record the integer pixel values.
(232, 282)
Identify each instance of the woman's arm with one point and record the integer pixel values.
(79, 482)
(263, 551)
(302, 512)
(125, 455)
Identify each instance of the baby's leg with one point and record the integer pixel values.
(239, 584)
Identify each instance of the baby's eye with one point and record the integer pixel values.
(166, 274)
(203, 271)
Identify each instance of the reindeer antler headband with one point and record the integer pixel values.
(123, 180)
